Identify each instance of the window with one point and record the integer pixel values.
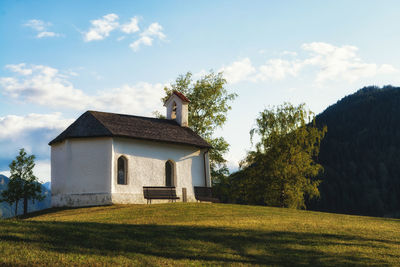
(173, 114)
(169, 173)
(121, 176)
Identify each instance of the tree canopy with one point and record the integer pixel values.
(281, 170)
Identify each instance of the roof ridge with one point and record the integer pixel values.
(129, 115)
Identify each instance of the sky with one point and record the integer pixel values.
(61, 58)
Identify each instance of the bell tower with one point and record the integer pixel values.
(177, 108)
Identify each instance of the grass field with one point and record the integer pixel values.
(181, 234)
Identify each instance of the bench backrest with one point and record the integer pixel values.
(202, 191)
(159, 192)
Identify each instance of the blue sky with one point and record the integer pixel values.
(61, 58)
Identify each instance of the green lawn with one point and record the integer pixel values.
(181, 234)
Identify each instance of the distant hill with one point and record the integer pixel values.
(361, 154)
(7, 211)
(47, 185)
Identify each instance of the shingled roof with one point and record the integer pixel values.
(103, 124)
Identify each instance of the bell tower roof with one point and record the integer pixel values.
(178, 94)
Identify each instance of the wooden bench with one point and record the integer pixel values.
(202, 193)
(159, 192)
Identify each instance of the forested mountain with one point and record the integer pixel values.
(8, 211)
(361, 154)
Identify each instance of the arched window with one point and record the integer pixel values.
(122, 173)
(173, 114)
(169, 173)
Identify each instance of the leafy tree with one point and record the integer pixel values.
(209, 104)
(281, 169)
(23, 184)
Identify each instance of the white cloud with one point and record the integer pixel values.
(131, 27)
(273, 69)
(327, 63)
(278, 69)
(145, 40)
(37, 24)
(238, 71)
(14, 127)
(147, 36)
(155, 29)
(41, 27)
(141, 98)
(32, 132)
(289, 53)
(101, 28)
(387, 69)
(47, 86)
(19, 68)
(6, 173)
(42, 170)
(42, 85)
(196, 76)
(47, 34)
(334, 62)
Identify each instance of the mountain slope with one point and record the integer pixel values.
(197, 234)
(361, 154)
(8, 211)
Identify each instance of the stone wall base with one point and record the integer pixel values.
(98, 199)
(81, 200)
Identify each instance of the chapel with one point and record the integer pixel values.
(106, 158)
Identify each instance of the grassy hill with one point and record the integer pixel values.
(181, 234)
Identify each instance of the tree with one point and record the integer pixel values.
(281, 170)
(209, 104)
(23, 184)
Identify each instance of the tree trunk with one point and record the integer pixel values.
(25, 205)
(16, 208)
(282, 196)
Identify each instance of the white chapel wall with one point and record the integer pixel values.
(80, 172)
(146, 167)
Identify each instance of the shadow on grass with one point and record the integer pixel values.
(52, 210)
(207, 244)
